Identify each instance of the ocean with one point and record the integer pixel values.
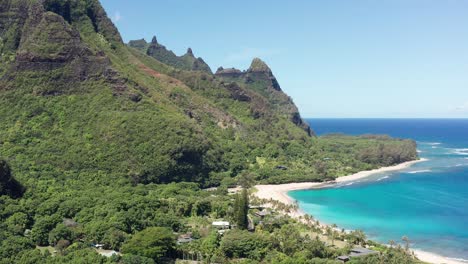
(427, 202)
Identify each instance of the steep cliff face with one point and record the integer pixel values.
(44, 40)
(19, 18)
(85, 13)
(50, 44)
(140, 44)
(13, 15)
(187, 62)
(259, 78)
(259, 70)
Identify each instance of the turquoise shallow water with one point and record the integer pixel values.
(427, 203)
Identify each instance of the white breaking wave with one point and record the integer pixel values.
(461, 151)
(419, 171)
(351, 183)
(432, 143)
(383, 178)
(459, 259)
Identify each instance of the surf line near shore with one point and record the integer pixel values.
(279, 192)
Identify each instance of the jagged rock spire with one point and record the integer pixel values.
(154, 40)
(190, 52)
(258, 65)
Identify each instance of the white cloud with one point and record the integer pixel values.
(116, 17)
(462, 107)
(250, 53)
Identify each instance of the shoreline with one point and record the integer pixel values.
(279, 193)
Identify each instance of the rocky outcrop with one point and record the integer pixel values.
(19, 18)
(13, 15)
(139, 44)
(77, 11)
(229, 73)
(48, 46)
(193, 63)
(187, 62)
(49, 41)
(259, 66)
(237, 93)
(200, 65)
(259, 78)
(260, 70)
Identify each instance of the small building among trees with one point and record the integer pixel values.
(184, 238)
(221, 225)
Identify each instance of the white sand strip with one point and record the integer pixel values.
(436, 259)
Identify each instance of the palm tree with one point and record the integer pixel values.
(360, 237)
(406, 240)
(307, 218)
(328, 230)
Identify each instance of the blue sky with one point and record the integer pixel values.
(335, 58)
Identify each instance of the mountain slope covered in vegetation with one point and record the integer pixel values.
(119, 139)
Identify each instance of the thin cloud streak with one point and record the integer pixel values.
(116, 17)
(462, 108)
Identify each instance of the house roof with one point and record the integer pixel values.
(220, 223)
(359, 251)
(181, 240)
(109, 253)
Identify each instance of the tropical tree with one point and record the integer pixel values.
(407, 241)
(154, 242)
(241, 208)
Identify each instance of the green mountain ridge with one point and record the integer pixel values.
(186, 62)
(70, 82)
(80, 63)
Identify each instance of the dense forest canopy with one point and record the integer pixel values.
(106, 143)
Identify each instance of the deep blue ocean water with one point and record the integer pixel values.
(427, 202)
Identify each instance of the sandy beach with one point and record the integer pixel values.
(280, 193)
(434, 258)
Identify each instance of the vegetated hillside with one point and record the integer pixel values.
(92, 128)
(75, 100)
(8, 184)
